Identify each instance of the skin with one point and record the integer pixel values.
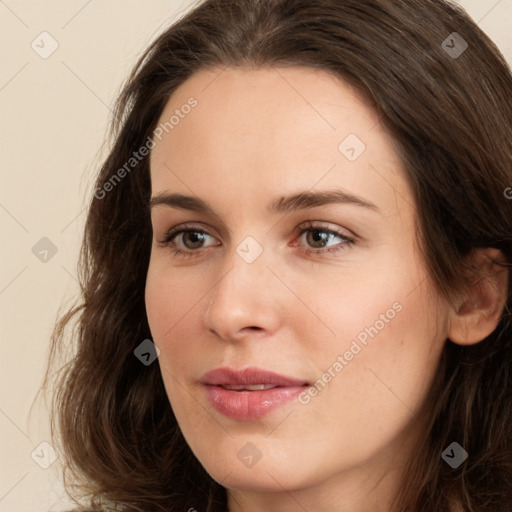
(255, 136)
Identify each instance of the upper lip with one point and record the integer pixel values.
(248, 376)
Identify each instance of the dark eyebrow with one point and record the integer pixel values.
(300, 201)
(304, 200)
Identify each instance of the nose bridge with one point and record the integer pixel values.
(243, 296)
(244, 269)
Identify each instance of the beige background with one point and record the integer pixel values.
(54, 114)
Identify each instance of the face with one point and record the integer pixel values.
(297, 256)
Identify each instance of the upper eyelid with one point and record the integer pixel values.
(223, 230)
(299, 230)
(180, 228)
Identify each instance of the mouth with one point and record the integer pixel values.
(251, 393)
(254, 387)
(249, 378)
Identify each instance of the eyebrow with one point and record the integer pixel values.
(295, 202)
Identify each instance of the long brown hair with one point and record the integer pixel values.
(446, 99)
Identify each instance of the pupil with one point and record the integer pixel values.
(318, 236)
(195, 237)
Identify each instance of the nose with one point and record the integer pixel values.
(246, 299)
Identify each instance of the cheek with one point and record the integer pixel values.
(173, 307)
(389, 351)
(170, 297)
(166, 311)
(390, 329)
(164, 308)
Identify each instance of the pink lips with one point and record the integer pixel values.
(246, 404)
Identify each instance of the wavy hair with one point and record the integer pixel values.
(450, 116)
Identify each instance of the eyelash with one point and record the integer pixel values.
(168, 240)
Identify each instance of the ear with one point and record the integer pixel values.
(478, 308)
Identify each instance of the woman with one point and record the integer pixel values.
(295, 269)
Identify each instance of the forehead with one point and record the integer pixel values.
(273, 130)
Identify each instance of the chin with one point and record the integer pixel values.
(251, 480)
(266, 475)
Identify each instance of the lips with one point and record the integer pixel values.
(248, 377)
(250, 393)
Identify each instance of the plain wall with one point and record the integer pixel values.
(54, 113)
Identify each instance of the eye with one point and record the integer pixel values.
(187, 240)
(318, 235)
(189, 237)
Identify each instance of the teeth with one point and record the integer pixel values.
(252, 387)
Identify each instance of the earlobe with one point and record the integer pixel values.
(478, 309)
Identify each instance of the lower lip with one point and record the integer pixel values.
(250, 405)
